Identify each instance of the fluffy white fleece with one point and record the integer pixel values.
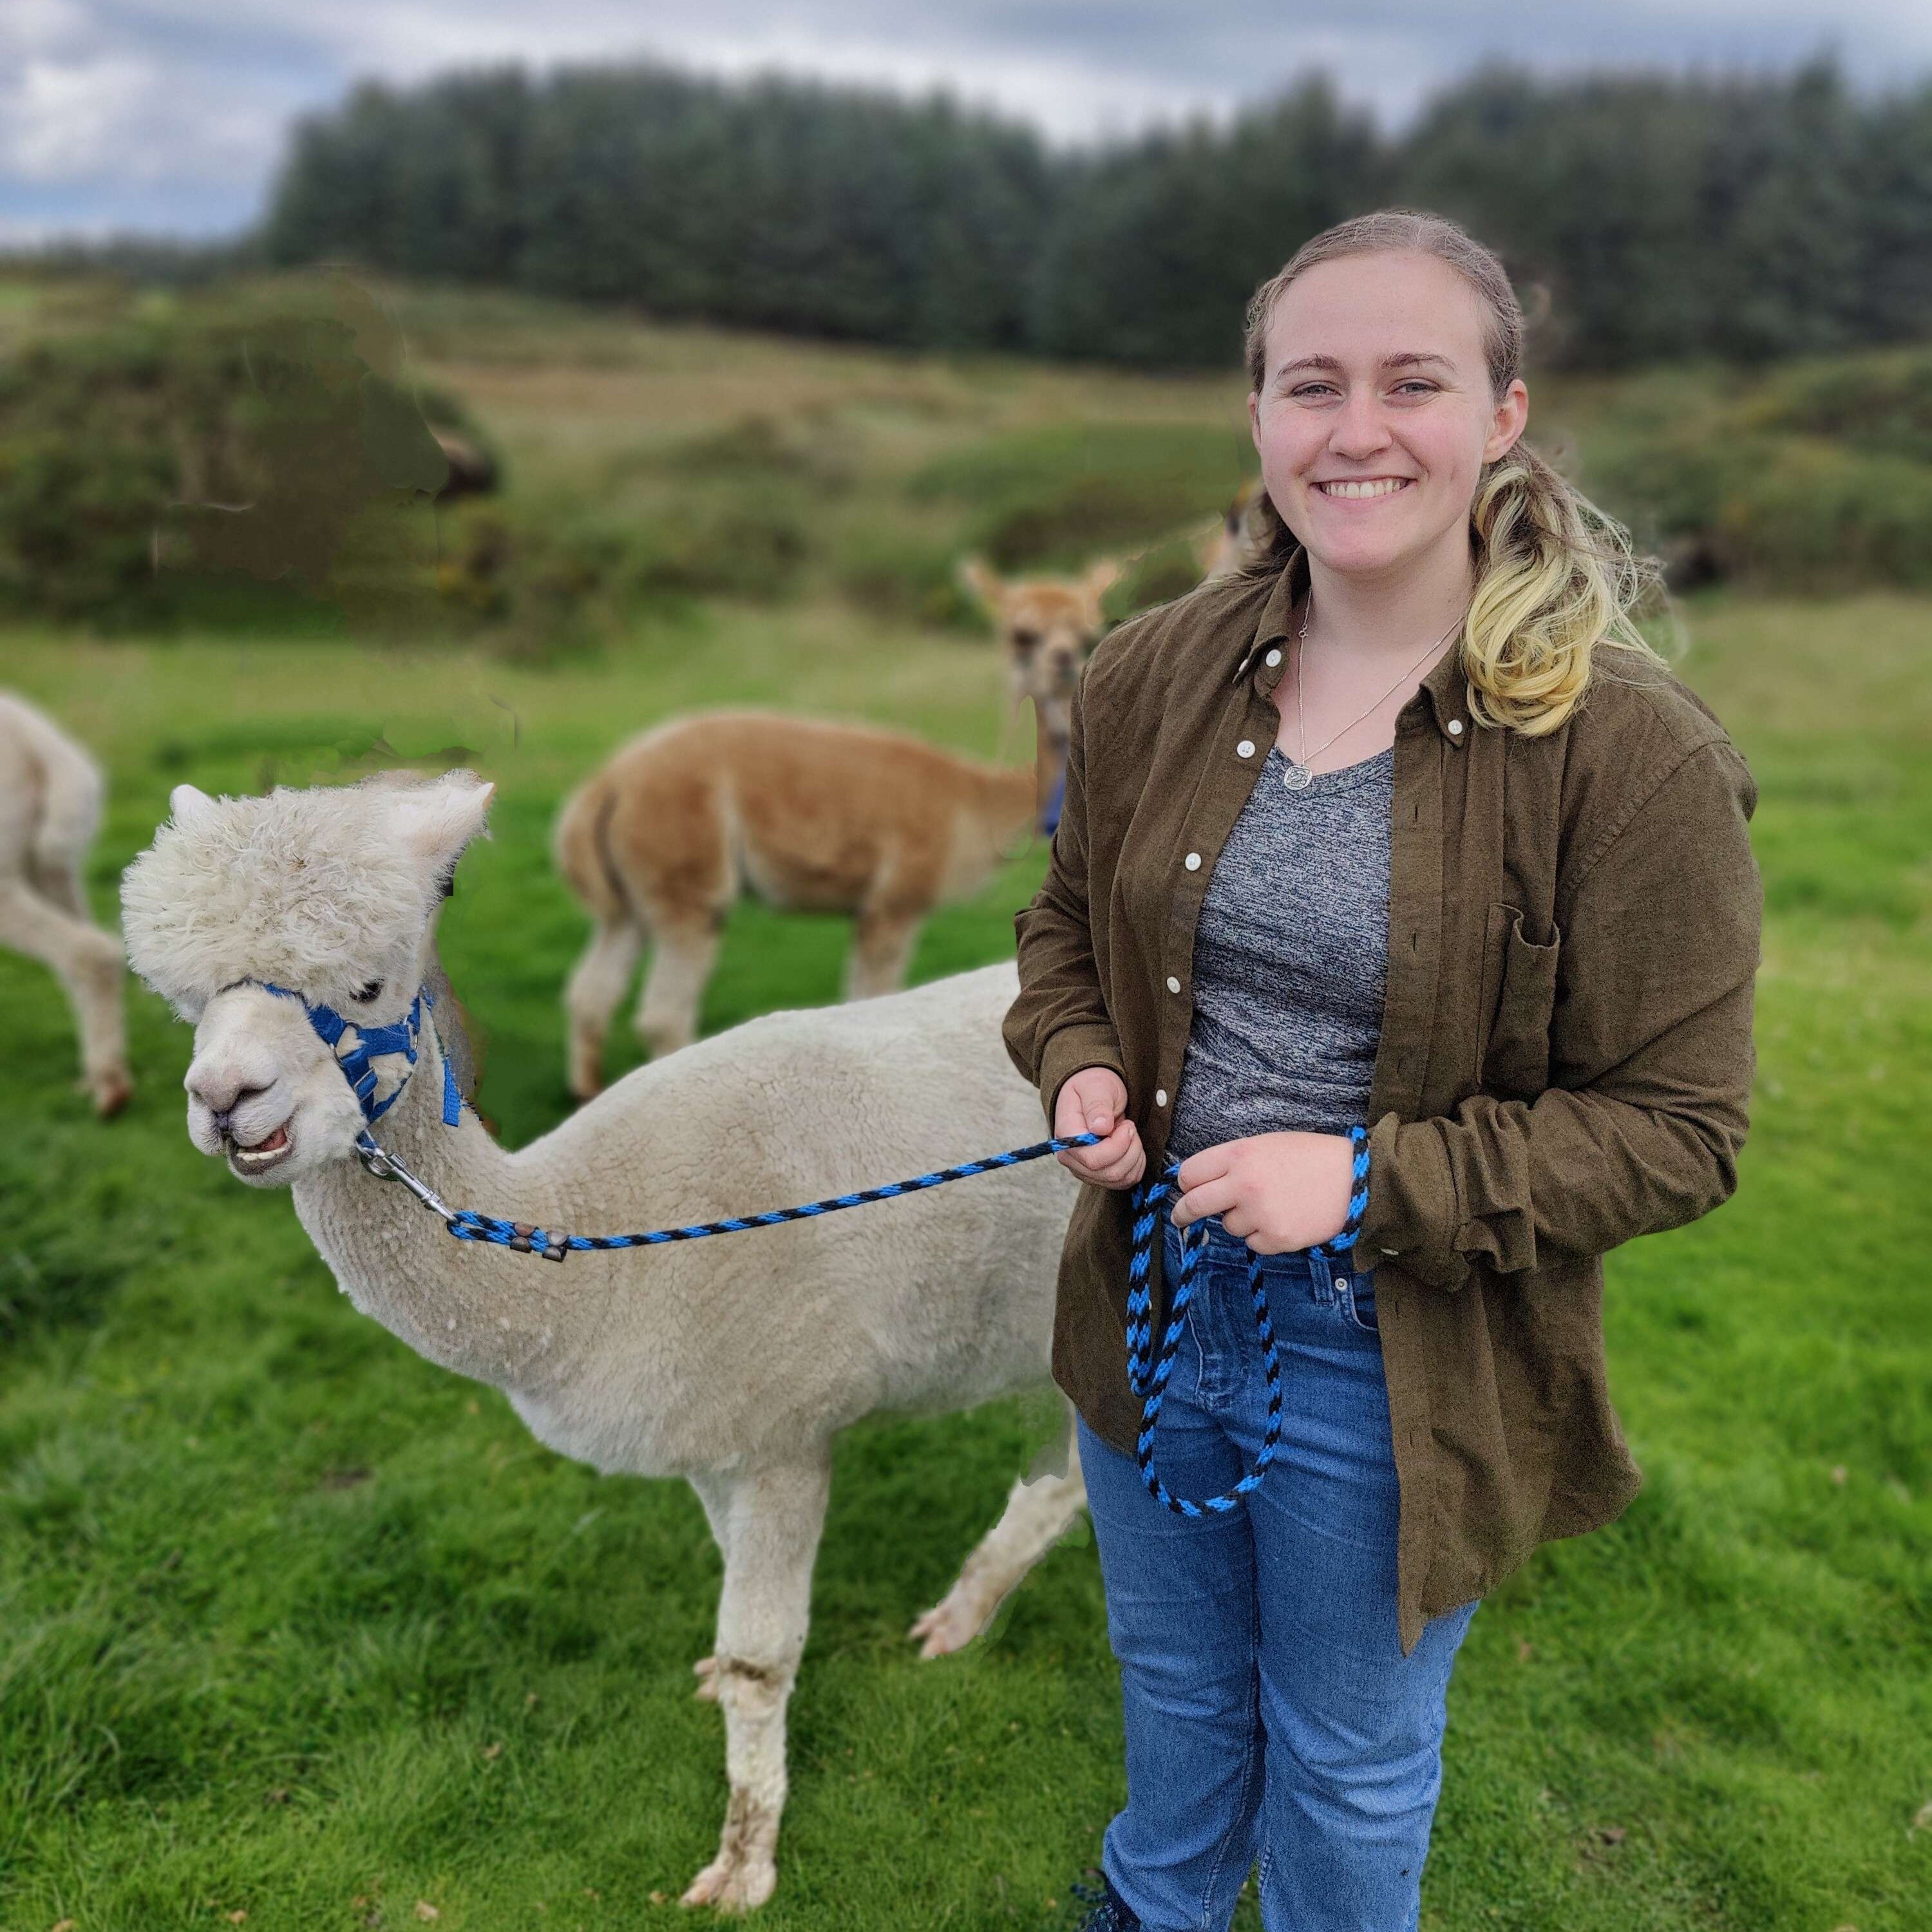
(319, 890)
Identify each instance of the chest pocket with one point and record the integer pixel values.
(1519, 999)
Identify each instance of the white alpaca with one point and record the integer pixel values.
(732, 1362)
(50, 794)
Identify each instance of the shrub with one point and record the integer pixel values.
(1058, 496)
(271, 438)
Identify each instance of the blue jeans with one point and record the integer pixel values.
(1271, 1713)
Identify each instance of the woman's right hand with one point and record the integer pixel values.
(1094, 1101)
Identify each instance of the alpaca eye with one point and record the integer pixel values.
(374, 991)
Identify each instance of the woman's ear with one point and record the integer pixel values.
(1507, 425)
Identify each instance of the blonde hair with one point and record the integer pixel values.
(1556, 577)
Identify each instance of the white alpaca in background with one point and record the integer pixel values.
(50, 796)
(732, 1362)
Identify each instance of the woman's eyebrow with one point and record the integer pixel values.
(1409, 358)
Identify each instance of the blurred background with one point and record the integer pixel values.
(433, 384)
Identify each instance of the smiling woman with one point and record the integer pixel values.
(1510, 932)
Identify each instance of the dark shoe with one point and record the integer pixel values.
(1110, 1913)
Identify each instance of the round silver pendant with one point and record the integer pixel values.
(1296, 778)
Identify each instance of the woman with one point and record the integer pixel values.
(1404, 828)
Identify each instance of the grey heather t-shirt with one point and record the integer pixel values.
(1291, 953)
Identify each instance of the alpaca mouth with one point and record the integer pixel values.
(264, 1154)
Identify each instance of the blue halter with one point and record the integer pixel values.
(356, 1047)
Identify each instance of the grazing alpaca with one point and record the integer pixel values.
(810, 816)
(50, 795)
(731, 1362)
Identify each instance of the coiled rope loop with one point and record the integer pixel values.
(1148, 1379)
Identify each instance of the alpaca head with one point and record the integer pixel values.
(1048, 626)
(331, 894)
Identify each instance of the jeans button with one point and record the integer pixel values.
(1341, 1284)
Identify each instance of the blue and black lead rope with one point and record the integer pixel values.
(466, 1225)
(1150, 1381)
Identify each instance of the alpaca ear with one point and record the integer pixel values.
(188, 807)
(440, 818)
(1098, 578)
(983, 581)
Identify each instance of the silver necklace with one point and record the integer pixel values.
(1298, 777)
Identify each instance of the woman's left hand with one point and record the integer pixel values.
(1278, 1192)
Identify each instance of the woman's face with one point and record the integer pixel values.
(1374, 417)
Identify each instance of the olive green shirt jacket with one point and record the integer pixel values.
(1565, 1058)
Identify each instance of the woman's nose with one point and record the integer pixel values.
(1360, 430)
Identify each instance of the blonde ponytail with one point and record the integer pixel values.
(1556, 580)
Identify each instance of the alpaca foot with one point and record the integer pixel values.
(727, 1885)
(745, 1873)
(952, 1624)
(112, 1092)
(706, 1671)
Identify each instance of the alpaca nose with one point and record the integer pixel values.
(221, 1090)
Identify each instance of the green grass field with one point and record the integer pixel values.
(294, 1625)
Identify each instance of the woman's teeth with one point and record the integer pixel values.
(1378, 486)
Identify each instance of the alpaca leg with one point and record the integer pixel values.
(88, 963)
(684, 950)
(58, 882)
(597, 983)
(767, 1523)
(1035, 1514)
(882, 943)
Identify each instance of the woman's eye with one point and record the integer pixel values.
(374, 991)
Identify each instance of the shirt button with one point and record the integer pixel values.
(1193, 862)
(1160, 1097)
(1173, 984)
(1455, 727)
(1391, 1251)
(1273, 658)
(1245, 749)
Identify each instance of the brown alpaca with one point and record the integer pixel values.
(809, 816)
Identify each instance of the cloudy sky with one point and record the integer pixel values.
(168, 116)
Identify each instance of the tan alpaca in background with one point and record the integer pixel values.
(50, 796)
(809, 815)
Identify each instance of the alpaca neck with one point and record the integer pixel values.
(480, 1311)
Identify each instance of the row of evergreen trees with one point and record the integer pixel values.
(1663, 217)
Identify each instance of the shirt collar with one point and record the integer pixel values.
(1445, 690)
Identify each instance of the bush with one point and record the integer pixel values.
(1057, 496)
(273, 438)
(1813, 517)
